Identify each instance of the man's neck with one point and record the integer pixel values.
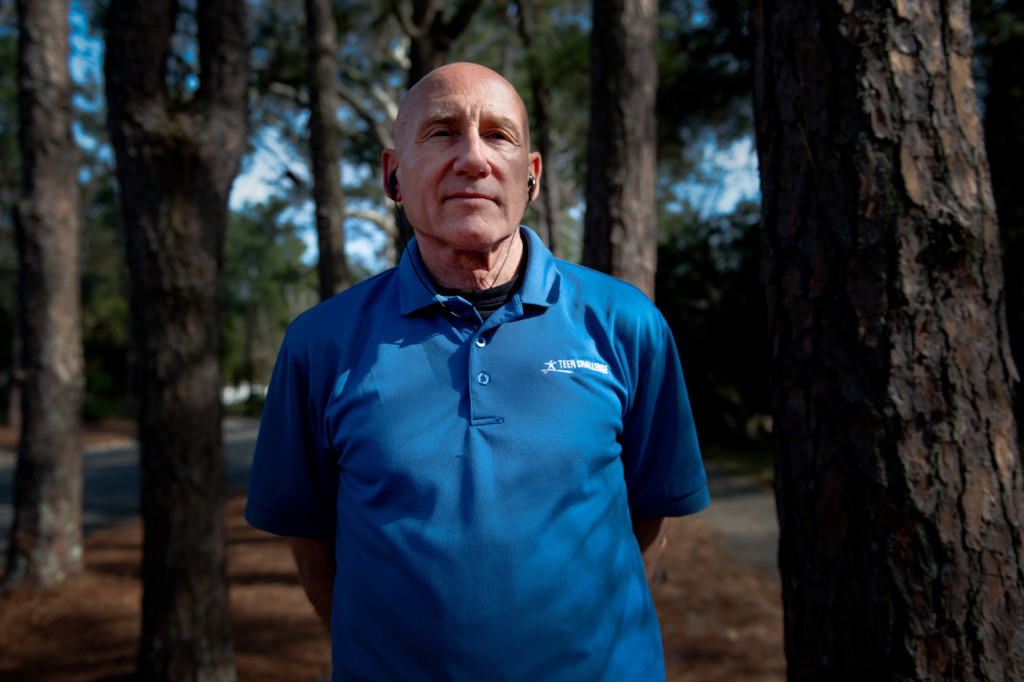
(473, 270)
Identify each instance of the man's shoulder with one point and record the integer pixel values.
(557, 277)
(595, 289)
(599, 283)
(347, 308)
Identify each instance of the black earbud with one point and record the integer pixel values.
(531, 184)
(393, 185)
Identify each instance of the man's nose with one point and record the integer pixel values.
(472, 155)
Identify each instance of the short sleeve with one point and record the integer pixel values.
(661, 457)
(293, 482)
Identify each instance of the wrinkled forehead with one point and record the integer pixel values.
(475, 95)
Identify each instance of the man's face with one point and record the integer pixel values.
(462, 157)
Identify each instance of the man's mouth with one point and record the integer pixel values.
(468, 196)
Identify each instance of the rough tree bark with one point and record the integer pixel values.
(620, 233)
(899, 482)
(177, 154)
(46, 536)
(324, 103)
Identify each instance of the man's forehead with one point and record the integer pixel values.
(449, 110)
(458, 91)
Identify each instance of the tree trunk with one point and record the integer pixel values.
(46, 536)
(620, 225)
(177, 155)
(549, 208)
(430, 35)
(326, 146)
(899, 483)
(427, 49)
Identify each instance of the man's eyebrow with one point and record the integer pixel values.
(443, 117)
(436, 118)
(505, 122)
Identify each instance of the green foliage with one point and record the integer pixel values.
(704, 68)
(265, 286)
(704, 60)
(708, 287)
(105, 288)
(757, 463)
(105, 317)
(561, 52)
(709, 291)
(564, 39)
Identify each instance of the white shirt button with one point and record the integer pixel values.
(483, 378)
(481, 342)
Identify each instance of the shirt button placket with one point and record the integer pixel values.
(480, 377)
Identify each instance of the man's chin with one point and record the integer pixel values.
(476, 235)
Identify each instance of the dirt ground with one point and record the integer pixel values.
(720, 620)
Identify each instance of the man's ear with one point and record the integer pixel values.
(536, 168)
(389, 170)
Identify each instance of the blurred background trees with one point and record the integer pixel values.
(705, 167)
(708, 280)
(703, 108)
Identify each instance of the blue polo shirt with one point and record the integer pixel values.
(478, 478)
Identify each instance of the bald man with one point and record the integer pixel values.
(474, 452)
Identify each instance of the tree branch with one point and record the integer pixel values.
(382, 220)
(458, 24)
(405, 21)
(380, 128)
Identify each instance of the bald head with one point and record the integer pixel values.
(425, 100)
(464, 173)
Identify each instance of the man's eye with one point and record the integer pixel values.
(440, 133)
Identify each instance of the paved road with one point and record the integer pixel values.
(742, 510)
(111, 478)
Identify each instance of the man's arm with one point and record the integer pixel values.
(315, 561)
(652, 536)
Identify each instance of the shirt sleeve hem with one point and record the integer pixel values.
(680, 506)
(265, 520)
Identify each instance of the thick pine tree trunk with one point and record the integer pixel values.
(899, 482)
(175, 164)
(326, 147)
(46, 537)
(621, 223)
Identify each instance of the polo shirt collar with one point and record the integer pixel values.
(539, 286)
(415, 289)
(540, 278)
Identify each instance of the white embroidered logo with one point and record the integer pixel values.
(569, 365)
